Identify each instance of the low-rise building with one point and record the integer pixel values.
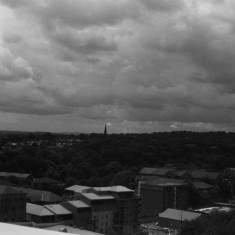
(48, 214)
(44, 183)
(12, 205)
(40, 197)
(16, 178)
(175, 219)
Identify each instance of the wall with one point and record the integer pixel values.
(12, 207)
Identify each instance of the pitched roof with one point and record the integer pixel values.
(93, 196)
(8, 190)
(200, 174)
(39, 195)
(47, 210)
(78, 204)
(179, 215)
(17, 175)
(202, 185)
(155, 171)
(180, 173)
(37, 210)
(77, 188)
(57, 209)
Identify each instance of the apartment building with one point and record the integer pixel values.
(163, 193)
(81, 213)
(113, 209)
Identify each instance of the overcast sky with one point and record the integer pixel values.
(140, 65)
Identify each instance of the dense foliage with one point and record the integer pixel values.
(97, 160)
(214, 224)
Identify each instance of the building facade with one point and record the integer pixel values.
(161, 194)
(113, 210)
(12, 205)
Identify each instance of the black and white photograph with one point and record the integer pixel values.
(117, 117)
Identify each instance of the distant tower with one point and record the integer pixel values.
(105, 130)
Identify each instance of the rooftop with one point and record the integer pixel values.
(202, 185)
(179, 215)
(155, 171)
(77, 188)
(8, 190)
(58, 209)
(55, 209)
(167, 182)
(37, 210)
(202, 174)
(17, 175)
(39, 195)
(78, 204)
(118, 189)
(93, 196)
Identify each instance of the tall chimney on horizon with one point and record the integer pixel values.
(105, 130)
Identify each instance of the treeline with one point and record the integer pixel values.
(97, 160)
(219, 223)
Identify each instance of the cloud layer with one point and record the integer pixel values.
(142, 65)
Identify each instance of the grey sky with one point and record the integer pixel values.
(142, 65)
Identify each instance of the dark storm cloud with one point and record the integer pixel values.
(142, 64)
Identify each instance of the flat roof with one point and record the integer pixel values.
(93, 196)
